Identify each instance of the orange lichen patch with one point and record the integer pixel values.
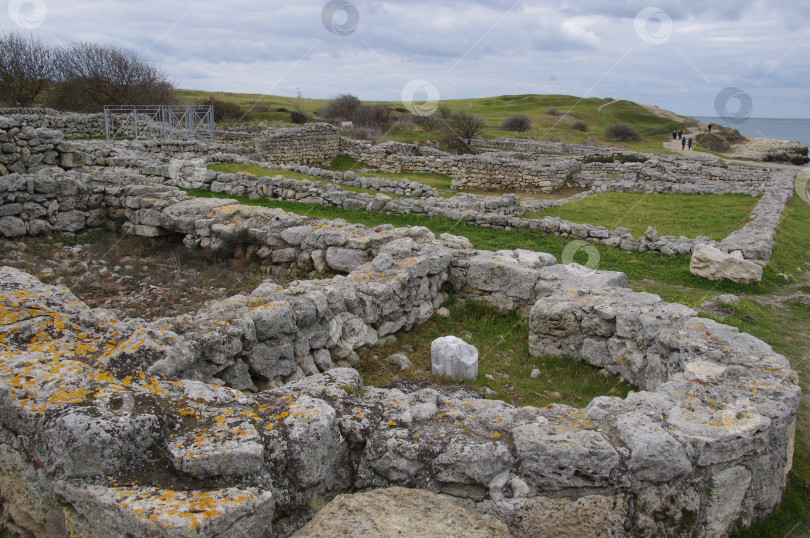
(177, 512)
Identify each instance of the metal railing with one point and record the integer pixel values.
(175, 122)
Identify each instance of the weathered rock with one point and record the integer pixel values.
(400, 362)
(453, 358)
(400, 512)
(709, 262)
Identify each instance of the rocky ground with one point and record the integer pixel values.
(131, 276)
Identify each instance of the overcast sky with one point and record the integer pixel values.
(679, 55)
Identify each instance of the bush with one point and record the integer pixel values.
(297, 117)
(225, 111)
(26, 69)
(712, 142)
(91, 75)
(341, 108)
(429, 124)
(580, 125)
(552, 111)
(519, 123)
(467, 125)
(622, 132)
(376, 117)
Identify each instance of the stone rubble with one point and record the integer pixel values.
(709, 262)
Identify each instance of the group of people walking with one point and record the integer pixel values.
(684, 141)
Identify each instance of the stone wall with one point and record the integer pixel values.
(70, 124)
(663, 173)
(703, 442)
(705, 446)
(27, 149)
(312, 144)
(527, 145)
(467, 171)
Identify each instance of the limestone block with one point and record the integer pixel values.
(591, 515)
(12, 227)
(400, 511)
(453, 358)
(709, 262)
(725, 502)
(552, 459)
(654, 454)
(346, 259)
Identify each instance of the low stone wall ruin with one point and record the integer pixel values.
(71, 125)
(27, 149)
(102, 419)
(314, 144)
(467, 171)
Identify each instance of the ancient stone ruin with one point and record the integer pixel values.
(246, 417)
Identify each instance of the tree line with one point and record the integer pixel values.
(78, 76)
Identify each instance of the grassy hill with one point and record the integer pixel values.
(552, 116)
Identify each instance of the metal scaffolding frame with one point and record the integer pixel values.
(176, 122)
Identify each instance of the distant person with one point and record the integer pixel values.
(689, 143)
(710, 127)
(674, 135)
(680, 134)
(683, 144)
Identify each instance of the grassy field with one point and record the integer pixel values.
(552, 116)
(692, 215)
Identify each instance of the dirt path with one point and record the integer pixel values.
(607, 104)
(675, 146)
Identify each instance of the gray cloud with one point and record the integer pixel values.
(466, 48)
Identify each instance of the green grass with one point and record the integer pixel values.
(344, 163)
(503, 353)
(711, 215)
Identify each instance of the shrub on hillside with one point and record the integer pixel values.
(341, 108)
(712, 142)
(225, 111)
(552, 111)
(375, 117)
(298, 117)
(519, 123)
(580, 125)
(622, 132)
